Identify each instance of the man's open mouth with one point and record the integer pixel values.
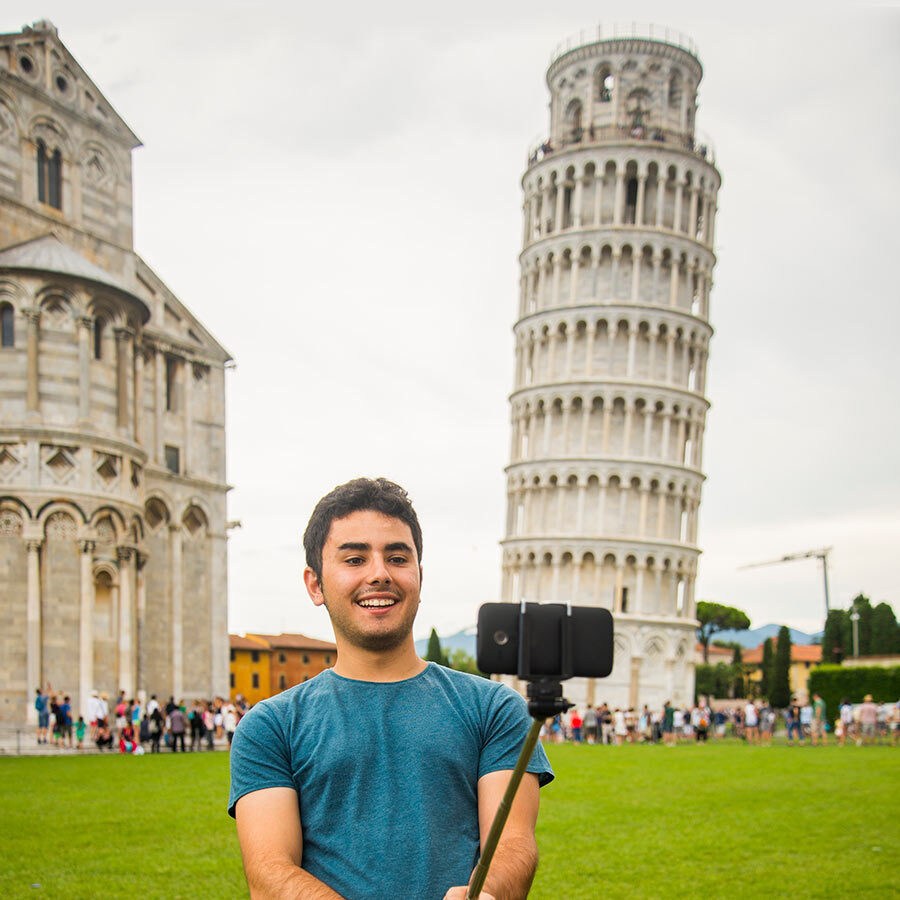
(373, 602)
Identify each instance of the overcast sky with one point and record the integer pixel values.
(334, 192)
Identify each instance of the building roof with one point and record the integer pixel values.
(247, 642)
(811, 653)
(43, 37)
(49, 254)
(716, 654)
(286, 641)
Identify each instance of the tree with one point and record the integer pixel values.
(463, 662)
(768, 658)
(737, 664)
(715, 617)
(780, 689)
(435, 652)
(885, 633)
(833, 647)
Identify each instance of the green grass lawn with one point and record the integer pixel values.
(618, 821)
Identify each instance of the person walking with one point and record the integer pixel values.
(177, 727)
(157, 727)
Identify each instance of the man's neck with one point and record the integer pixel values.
(367, 665)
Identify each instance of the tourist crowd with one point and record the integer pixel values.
(752, 721)
(129, 726)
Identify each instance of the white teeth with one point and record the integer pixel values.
(377, 602)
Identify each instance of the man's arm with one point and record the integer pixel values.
(268, 829)
(515, 860)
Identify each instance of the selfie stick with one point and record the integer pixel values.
(545, 699)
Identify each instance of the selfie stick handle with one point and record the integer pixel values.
(493, 838)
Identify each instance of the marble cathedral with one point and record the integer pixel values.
(112, 415)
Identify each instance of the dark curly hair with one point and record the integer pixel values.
(377, 494)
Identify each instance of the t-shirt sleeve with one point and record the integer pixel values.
(260, 756)
(507, 725)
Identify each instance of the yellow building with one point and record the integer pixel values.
(803, 658)
(251, 660)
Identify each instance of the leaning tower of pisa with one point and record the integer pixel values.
(608, 406)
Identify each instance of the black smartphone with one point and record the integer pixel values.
(544, 640)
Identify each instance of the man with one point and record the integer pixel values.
(379, 777)
(868, 720)
(751, 723)
(42, 705)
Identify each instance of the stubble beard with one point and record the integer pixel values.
(372, 641)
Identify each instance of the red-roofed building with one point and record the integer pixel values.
(716, 654)
(263, 665)
(295, 658)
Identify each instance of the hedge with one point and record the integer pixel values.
(834, 683)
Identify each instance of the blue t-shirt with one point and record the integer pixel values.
(386, 774)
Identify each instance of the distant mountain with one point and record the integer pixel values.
(462, 640)
(753, 637)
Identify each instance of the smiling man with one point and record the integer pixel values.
(379, 778)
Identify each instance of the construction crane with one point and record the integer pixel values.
(809, 554)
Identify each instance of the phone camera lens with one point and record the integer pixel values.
(501, 638)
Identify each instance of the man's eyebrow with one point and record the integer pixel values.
(398, 545)
(355, 545)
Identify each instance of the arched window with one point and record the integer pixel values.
(604, 82)
(99, 326)
(49, 175)
(573, 121)
(675, 89)
(7, 327)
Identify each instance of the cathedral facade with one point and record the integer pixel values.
(112, 415)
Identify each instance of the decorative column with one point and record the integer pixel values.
(86, 630)
(219, 668)
(123, 348)
(33, 662)
(175, 542)
(32, 401)
(139, 395)
(159, 366)
(141, 623)
(85, 325)
(126, 620)
(187, 417)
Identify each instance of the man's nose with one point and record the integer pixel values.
(378, 571)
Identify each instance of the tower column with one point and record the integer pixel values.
(641, 191)
(620, 197)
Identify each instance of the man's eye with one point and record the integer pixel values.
(353, 560)
(398, 560)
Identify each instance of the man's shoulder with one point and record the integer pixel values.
(467, 683)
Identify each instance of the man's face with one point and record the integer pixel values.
(370, 580)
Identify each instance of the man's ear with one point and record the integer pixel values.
(313, 586)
